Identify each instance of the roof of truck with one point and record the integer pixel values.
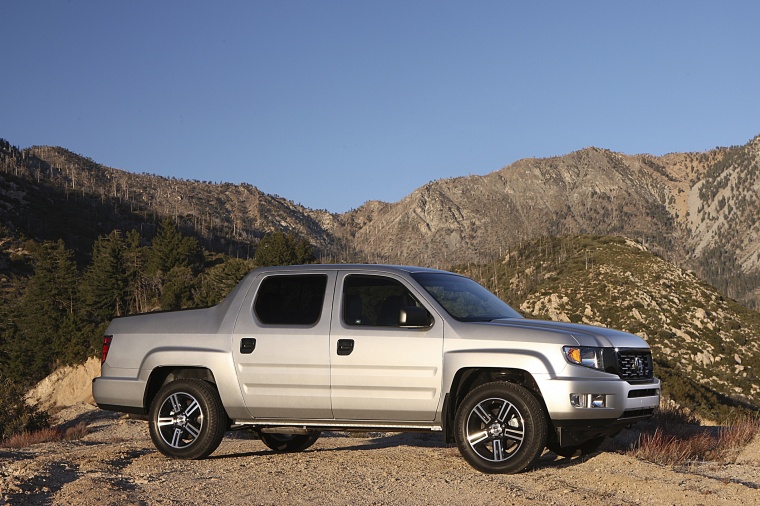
(361, 267)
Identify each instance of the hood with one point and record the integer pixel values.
(585, 335)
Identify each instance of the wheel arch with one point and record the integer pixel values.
(163, 375)
(468, 378)
(211, 364)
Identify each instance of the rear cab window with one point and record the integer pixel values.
(290, 299)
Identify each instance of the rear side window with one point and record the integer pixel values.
(290, 300)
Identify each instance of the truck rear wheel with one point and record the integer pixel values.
(187, 420)
(289, 443)
(500, 428)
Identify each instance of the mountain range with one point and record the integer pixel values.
(699, 210)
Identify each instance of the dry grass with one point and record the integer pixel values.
(75, 432)
(673, 436)
(49, 435)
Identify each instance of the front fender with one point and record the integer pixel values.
(533, 362)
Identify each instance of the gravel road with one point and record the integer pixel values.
(116, 464)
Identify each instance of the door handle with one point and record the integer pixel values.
(247, 345)
(345, 346)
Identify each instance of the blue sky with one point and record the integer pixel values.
(331, 104)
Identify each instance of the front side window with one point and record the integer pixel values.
(463, 298)
(375, 301)
(290, 300)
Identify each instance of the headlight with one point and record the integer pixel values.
(585, 356)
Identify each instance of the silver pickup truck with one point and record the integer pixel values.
(293, 351)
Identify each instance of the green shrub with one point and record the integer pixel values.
(16, 416)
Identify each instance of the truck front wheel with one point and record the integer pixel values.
(187, 420)
(500, 428)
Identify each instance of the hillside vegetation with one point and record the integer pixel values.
(706, 346)
(54, 314)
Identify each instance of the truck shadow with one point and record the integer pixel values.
(379, 441)
(95, 419)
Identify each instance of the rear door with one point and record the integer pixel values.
(281, 346)
(379, 370)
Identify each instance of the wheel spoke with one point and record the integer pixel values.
(484, 414)
(477, 437)
(176, 404)
(165, 420)
(193, 430)
(504, 411)
(498, 450)
(176, 438)
(192, 408)
(515, 434)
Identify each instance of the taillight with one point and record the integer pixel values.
(106, 346)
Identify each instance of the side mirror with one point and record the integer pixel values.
(414, 317)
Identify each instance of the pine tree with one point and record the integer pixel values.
(279, 248)
(219, 280)
(48, 331)
(171, 249)
(134, 264)
(105, 285)
(177, 289)
(173, 263)
(304, 251)
(16, 415)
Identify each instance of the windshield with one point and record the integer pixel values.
(463, 298)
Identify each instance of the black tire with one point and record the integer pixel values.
(187, 419)
(289, 443)
(500, 428)
(584, 448)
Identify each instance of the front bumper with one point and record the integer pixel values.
(623, 404)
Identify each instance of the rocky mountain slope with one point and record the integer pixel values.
(36, 182)
(701, 210)
(461, 219)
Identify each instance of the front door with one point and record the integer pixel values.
(381, 371)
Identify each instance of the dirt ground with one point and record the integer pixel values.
(116, 464)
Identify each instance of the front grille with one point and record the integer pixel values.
(635, 365)
(636, 413)
(647, 392)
